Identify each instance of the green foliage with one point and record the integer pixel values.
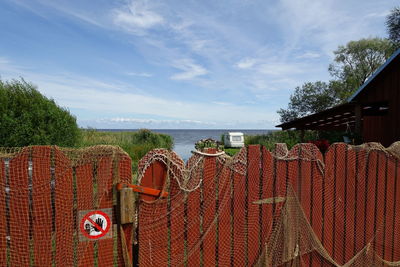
(393, 26)
(148, 137)
(231, 151)
(307, 99)
(292, 138)
(355, 62)
(289, 137)
(136, 144)
(203, 144)
(29, 118)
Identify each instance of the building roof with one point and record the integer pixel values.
(337, 117)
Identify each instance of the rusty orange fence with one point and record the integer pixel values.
(281, 208)
(259, 208)
(45, 195)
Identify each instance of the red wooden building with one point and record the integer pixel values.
(373, 111)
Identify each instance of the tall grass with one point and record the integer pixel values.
(136, 144)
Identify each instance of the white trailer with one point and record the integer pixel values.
(234, 139)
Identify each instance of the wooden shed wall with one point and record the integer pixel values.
(385, 87)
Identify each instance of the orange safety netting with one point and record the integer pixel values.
(43, 191)
(261, 208)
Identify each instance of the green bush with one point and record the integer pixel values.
(29, 118)
(289, 137)
(292, 138)
(154, 139)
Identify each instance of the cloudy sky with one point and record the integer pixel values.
(178, 64)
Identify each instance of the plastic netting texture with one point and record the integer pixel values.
(43, 192)
(280, 208)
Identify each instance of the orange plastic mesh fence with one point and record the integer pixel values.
(43, 191)
(281, 208)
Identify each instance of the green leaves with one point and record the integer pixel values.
(353, 64)
(29, 118)
(307, 99)
(356, 62)
(393, 26)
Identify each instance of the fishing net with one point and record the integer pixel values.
(280, 208)
(45, 195)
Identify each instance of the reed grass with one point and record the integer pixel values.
(136, 144)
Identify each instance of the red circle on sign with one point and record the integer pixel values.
(87, 218)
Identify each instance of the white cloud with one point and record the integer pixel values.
(85, 95)
(246, 63)
(222, 103)
(155, 121)
(135, 16)
(280, 68)
(378, 14)
(4, 61)
(309, 55)
(190, 70)
(140, 74)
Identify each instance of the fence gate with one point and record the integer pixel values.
(57, 207)
(294, 208)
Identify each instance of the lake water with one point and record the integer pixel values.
(184, 140)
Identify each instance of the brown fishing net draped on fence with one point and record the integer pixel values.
(280, 208)
(43, 192)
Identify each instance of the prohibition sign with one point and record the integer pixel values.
(95, 224)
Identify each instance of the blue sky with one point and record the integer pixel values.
(178, 64)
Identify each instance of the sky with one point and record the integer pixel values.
(173, 64)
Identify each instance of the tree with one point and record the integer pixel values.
(356, 62)
(307, 99)
(393, 26)
(29, 118)
(353, 64)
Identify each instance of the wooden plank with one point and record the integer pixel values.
(64, 219)
(316, 210)
(350, 176)
(41, 203)
(386, 234)
(381, 203)
(84, 192)
(360, 195)
(239, 216)
(127, 205)
(153, 223)
(209, 226)
(253, 170)
(223, 247)
(193, 228)
(265, 191)
(177, 231)
(19, 209)
(305, 198)
(395, 248)
(371, 197)
(154, 178)
(339, 205)
(328, 192)
(3, 218)
(105, 200)
(123, 175)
